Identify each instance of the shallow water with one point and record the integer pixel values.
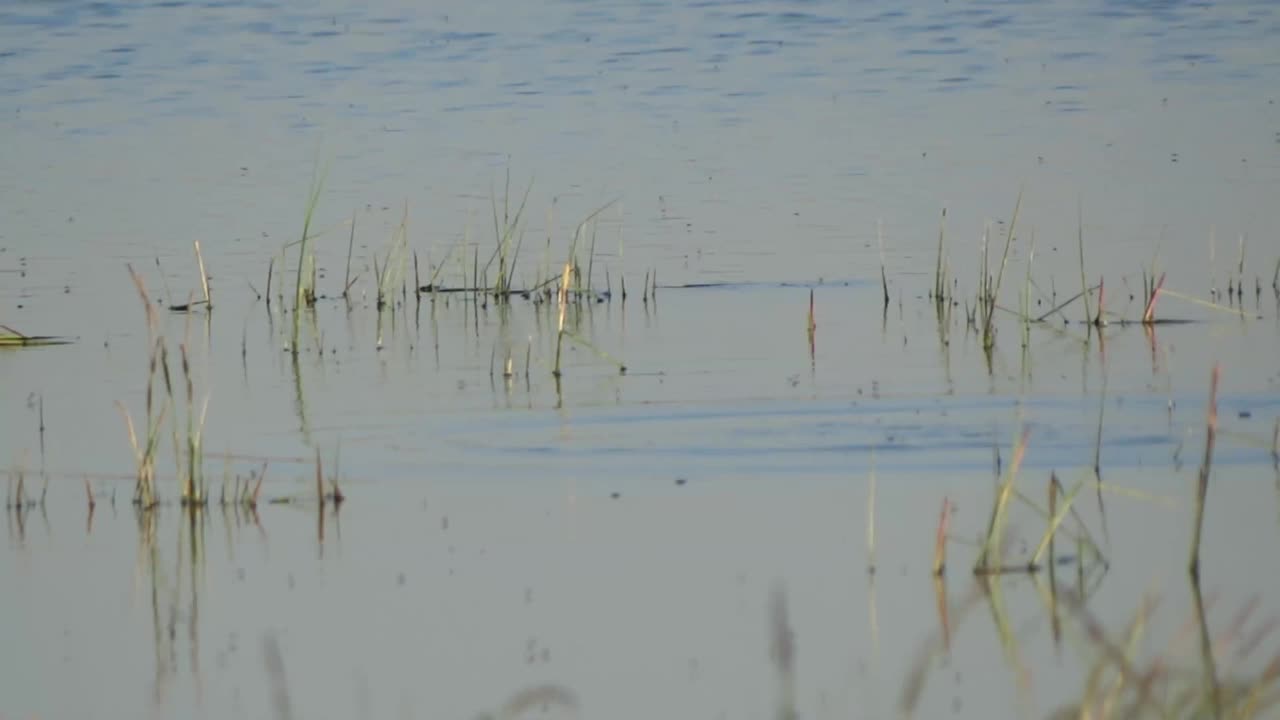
(627, 537)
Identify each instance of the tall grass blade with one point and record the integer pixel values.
(988, 332)
(1202, 481)
(1084, 284)
(301, 290)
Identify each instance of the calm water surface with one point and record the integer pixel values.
(629, 543)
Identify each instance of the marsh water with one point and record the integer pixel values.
(690, 537)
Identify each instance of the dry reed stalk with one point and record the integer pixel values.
(193, 489)
(335, 492)
(270, 268)
(1056, 517)
(417, 281)
(257, 487)
(1202, 482)
(1213, 281)
(943, 608)
(940, 539)
(319, 481)
(939, 268)
(152, 321)
(1053, 504)
(563, 302)
(204, 277)
(1149, 314)
(1098, 320)
(1240, 268)
(351, 241)
(884, 280)
(813, 325)
(871, 518)
(988, 328)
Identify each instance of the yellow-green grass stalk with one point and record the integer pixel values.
(940, 268)
(351, 242)
(1058, 513)
(988, 328)
(393, 265)
(988, 560)
(10, 338)
(509, 236)
(204, 277)
(304, 292)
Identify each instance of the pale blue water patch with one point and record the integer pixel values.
(645, 447)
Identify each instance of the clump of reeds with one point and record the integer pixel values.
(245, 493)
(571, 290)
(509, 237)
(17, 500)
(145, 452)
(941, 267)
(1119, 684)
(989, 292)
(193, 489)
(188, 455)
(392, 270)
(990, 559)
